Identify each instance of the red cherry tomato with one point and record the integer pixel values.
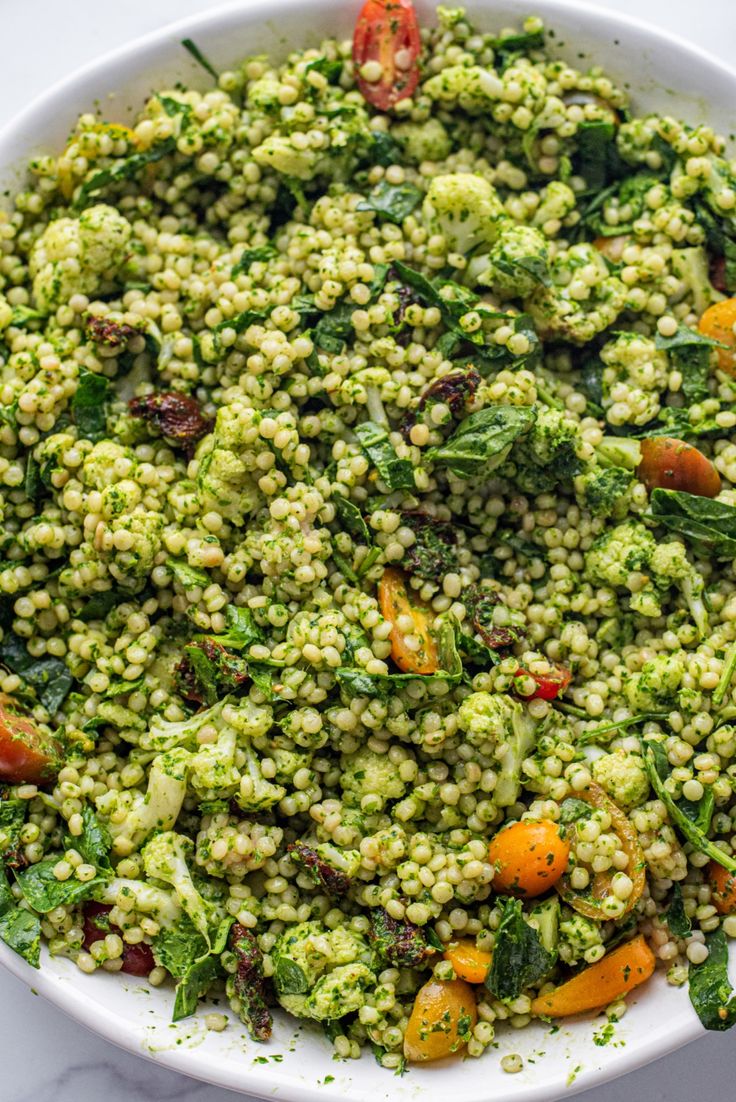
(387, 32)
(26, 755)
(137, 959)
(717, 267)
(549, 685)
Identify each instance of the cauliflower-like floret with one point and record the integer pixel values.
(423, 141)
(132, 814)
(624, 777)
(165, 858)
(548, 454)
(132, 556)
(466, 86)
(581, 938)
(232, 847)
(464, 209)
(582, 299)
(556, 201)
(634, 376)
(321, 973)
(279, 153)
(656, 684)
(103, 465)
(603, 490)
(517, 262)
(76, 255)
(670, 564)
(500, 725)
(366, 773)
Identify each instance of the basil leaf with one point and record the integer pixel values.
(251, 256)
(483, 440)
(44, 892)
(710, 990)
(188, 576)
(95, 841)
(88, 404)
(48, 677)
(289, 978)
(519, 957)
(398, 474)
(676, 918)
(21, 931)
(391, 202)
(705, 522)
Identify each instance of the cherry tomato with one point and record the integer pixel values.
(717, 269)
(612, 247)
(723, 888)
(717, 322)
(549, 685)
(529, 857)
(675, 465)
(441, 1021)
(26, 755)
(137, 959)
(397, 605)
(387, 32)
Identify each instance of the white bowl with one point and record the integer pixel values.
(664, 74)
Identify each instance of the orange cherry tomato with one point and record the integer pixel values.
(387, 32)
(717, 322)
(723, 888)
(26, 755)
(396, 603)
(441, 1021)
(673, 464)
(468, 961)
(549, 685)
(620, 971)
(612, 247)
(529, 857)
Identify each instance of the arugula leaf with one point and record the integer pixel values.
(95, 841)
(676, 918)
(482, 441)
(88, 404)
(199, 57)
(251, 256)
(21, 931)
(519, 957)
(689, 353)
(690, 819)
(44, 892)
(391, 202)
(125, 169)
(48, 677)
(398, 474)
(708, 523)
(188, 576)
(710, 990)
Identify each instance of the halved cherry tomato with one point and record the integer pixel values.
(26, 755)
(468, 962)
(529, 857)
(620, 971)
(612, 247)
(395, 602)
(137, 959)
(441, 1021)
(387, 32)
(673, 464)
(549, 685)
(723, 888)
(717, 322)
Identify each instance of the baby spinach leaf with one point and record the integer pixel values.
(334, 329)
(12, 818)
(383, 149)
(289, 978)
(352, 519)
(124, 169)
(251, 256)
(708, 523)
(572, 809)
(194, 984)
(535, 266)
(677, 920)
(483, 440)
(176, 948)
(99, 604)
(398, 474)
(710, 990)
(21, 931)
(44, 892)
(241, 628)
(689, 352)
(7, 899)
(630, 193)
(48, 677)
(721, 238)
(391, 202)
(519, 957)
(356, 682)
(330, 70)
(188, 576)
(597, 158)
(95, 841)
(511, 46)
(199, 57)
(88, 404)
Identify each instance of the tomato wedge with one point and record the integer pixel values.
(26, 755)
(673, 464)
(549, 685)
(386, 40)
(137, 959)
(395, 602)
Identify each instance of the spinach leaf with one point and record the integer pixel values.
(199, 57)
(7, 899)
(352, 521)
(721, 238)
(330, 70)
(334, 329)
(710, 990)
(95, 841)
(398, 474)
(178, 947)
(12, 818)
(391, 202)
(572, 809)
(535, 266)
(434, 552)
(383, 149)
(44, 892)
(483, 440)
(194, 984)
(124, 169)
(184, 952)
(630, 193)
(122, 688)
(597, 157)
(511, 46)
(188, 576)
(289, 978)
(519, 957)
(88, 404)
(241, 628)
(99, 604)
(21, 931)
(703, 521)
(689, 352)
(677, 920)
(689, 819)
(251, 256)
(48, 677)
(356, 682)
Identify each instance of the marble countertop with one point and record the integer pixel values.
(45, 1056)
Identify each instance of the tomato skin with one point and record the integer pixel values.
(26, 755)
(468, 961)
(717, 323)
(137, 959)
(723, 888)
(672, 464)
(387, 31)
(395, 601)
(529, 858)
(443, 1015)
(550, 685)
(717, 268)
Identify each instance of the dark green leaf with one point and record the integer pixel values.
(351, 519)
(398, 474)
(194, 984)
(519, 957)
(483, 440)
(597, 157)
(357, 682)
(330, 70)
(123, 688)
(708, 523)
(631, 194)
(48, 677)
(535, 266)
(251, 256)
(511, 46)
(189, 577)
(572, 809)
(262, 677)
(178, 947)
(383, 149)
(95, 841)
(125, 169)
(689, 352)
(88, 404)
(21, 931)
(241, 628)
(12, 818)
(99, 604)
(391, 202)
(7, 899)
(677, 920)
(199, 57)
(710, 990)
(289, 978)
(44, 892)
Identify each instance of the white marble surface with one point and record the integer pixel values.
(44, 1056)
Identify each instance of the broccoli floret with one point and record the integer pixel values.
(656, 684)
(464, 209)
(365, 773)
(602, 490)
(634, 376)
(158, 809)
(321, 973)
(582, 299)
(423, 141)
(165, 858)
(624, 777)
(548, 454)
(517, 262)
(500, 725)
(76, 255)
(580, 938)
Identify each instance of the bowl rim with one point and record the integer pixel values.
(92, 1014)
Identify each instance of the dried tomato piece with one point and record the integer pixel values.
(401, 943)
(717, 267)
(455, 389)
(250, 984)
(113, 334)
(333, 881)
(208, 671)
(177, 416)
(480, 604)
